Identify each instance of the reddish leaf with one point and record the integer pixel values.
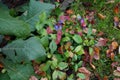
(114, 64)
(80, 33)
(69, 11)
(108, 52)
(59, 36)
(33, 78)
(37, 69)
(60, 49)
(86, 72)
(49, 31)
(101, 42)
(7, 37)
(100, 33)
(116, 10)
(116, 78)
(105, 78)
(64, 18)
(86, 58)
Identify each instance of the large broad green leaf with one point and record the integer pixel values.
(35, 9)
(20, 50)
(18, 71)
(12, 26)
(4, 76)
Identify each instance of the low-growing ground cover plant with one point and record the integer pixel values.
(57, 45)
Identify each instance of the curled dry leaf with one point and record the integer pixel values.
(101, 16)
(96, 53)
(92, 66)
(33, 78)
(116, 73)
(86, 72)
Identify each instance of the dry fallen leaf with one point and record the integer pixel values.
(114, 45)
(44, 78)
(100, 33)
(116, 10)
(116, 19)
(33, 78)
(101, 42)
(116, 73)
(118, 69)
(105, 78)
(101, 16)
(116, 78)
(92, 66)
(112, 56)
(114, 64)
(86, 72)
(96, 53)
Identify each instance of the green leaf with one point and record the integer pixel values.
(44, 41)
(4, 76)
(79, 50)
(90, 51)
(76, 67)
(35, 9)
(53, 46)
(77, 39)
(12, 26)
(62, 65)
(81, 75)
(20, 50)
(18, 71)
(89, 31)
(58, 74)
